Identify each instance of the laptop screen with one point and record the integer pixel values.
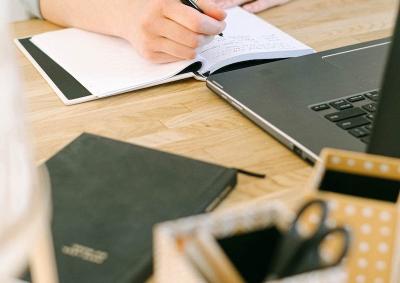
(385, 139)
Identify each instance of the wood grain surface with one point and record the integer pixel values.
(188, 119)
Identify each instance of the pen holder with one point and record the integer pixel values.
(173, 265)
(362, 191)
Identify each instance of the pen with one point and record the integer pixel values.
(193, 4)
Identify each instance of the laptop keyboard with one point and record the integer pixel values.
(353, 114)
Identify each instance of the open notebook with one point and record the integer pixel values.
(90, 65)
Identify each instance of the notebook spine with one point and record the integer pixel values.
(226, 180)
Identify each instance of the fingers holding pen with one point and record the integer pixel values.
(168, 30)
(180, 34)
(194, 20)
(211, 9)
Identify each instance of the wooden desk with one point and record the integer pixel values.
(187, 118)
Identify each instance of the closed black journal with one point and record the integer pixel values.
(107, 196)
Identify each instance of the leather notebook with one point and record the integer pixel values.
(107, 195)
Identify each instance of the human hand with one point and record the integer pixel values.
(165, 31)
(251, 6)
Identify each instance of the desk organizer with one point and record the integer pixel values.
(362, 191)
(172, 265)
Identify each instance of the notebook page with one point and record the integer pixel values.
(248, 37)
(102, 64)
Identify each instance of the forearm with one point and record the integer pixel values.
(101, 16)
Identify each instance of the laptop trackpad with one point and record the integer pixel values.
(369, 62)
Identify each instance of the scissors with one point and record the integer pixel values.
(298, 253)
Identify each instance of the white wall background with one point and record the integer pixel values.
(17, 11)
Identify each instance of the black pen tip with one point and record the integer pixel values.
(221, 34)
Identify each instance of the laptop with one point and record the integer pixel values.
(335, 98)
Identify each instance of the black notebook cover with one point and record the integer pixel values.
(66, 83)
(107, 195)
(69, 89)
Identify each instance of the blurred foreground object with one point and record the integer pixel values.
(361, 194)
(248, 235)
(24, 194)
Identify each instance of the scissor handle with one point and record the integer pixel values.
(317, 238)
(297, 253)
(309, 256)
(346, 243)
(322, 205)
(293, 241)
